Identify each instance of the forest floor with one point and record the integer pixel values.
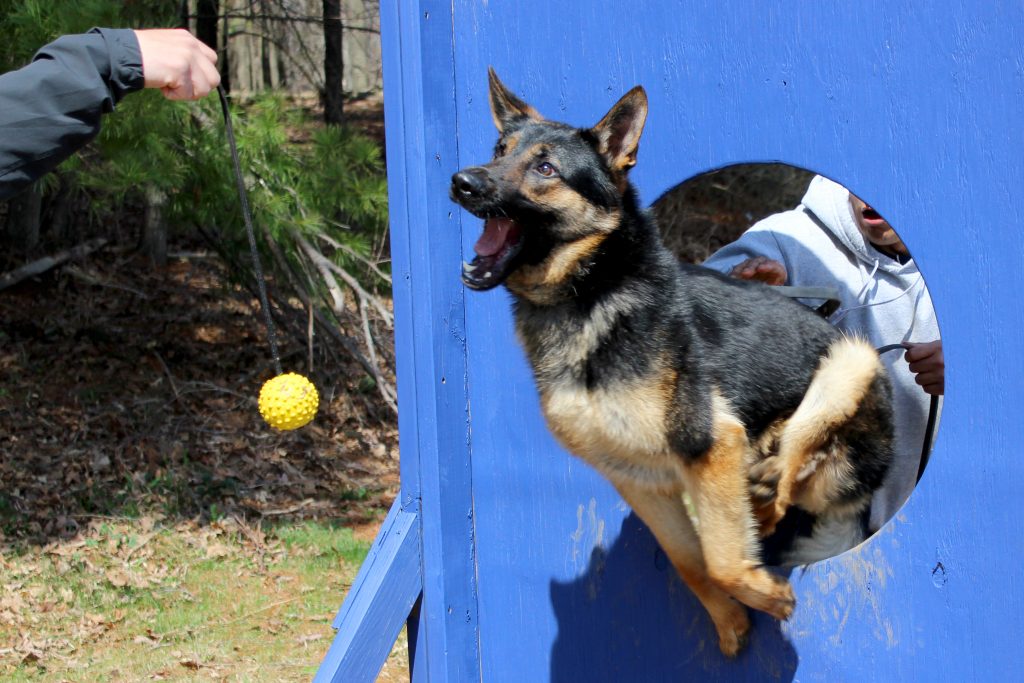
(152, 527)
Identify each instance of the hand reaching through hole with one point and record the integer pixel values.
(761, 269)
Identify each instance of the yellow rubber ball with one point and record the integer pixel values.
(288, 401)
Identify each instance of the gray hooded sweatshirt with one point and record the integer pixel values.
(882, 300)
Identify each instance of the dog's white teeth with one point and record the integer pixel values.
(487, 274)
(468, 267)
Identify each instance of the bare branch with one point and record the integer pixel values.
(320, 263)
(323, 262)
(387, 391)
(327, 268)
(356, 255)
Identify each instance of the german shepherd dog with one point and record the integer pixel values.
(670, 378)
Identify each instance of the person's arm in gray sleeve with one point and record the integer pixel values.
(754, 256)
(52, 107)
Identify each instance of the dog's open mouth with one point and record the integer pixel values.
(495, 251)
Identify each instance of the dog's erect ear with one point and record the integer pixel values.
(506, 108)
(618, 133)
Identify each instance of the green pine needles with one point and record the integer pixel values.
(318, 193)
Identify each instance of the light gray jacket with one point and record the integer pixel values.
(882, 301)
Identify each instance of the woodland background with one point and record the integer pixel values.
(151, 526)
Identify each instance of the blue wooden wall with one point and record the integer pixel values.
(532, 567)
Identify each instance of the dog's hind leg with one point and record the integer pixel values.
(808, 441)
(718, 485)
(665, 515)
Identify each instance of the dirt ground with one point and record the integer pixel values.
(128, 397)
(125, 390)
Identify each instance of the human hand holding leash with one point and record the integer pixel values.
(177, 63)
(927, 364)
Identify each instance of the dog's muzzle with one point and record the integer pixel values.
(501, 241)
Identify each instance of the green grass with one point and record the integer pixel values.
(328, 543)
(130, 601)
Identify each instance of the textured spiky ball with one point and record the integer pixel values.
(288, 401)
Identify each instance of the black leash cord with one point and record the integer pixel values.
(933, 415)
(929, 434)
(890, 347)
(261, 283)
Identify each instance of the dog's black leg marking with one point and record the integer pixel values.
(690, 419)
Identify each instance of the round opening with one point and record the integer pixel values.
(788, 227)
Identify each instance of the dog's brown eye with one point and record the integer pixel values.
(499, 150)
(545, 169)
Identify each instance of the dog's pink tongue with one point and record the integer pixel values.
(493, 239)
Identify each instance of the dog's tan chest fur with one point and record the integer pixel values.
(620, 432)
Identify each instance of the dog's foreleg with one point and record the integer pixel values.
(718, 485)
(665, 515)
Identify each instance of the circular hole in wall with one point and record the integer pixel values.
(810, 231)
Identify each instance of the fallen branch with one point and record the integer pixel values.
(90, 279)
(386, 390)
(326, 268)
(325, 264)
(170, 377)
(279, 307)
(299, 507)
(321, 264)
(332, 328)
(46, 263)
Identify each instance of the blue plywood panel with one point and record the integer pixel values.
(917, 113)
(434, 420)
(531, 567)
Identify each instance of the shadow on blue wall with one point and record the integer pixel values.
(629, 617)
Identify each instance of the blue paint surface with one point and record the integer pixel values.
(533, 567)
(368, 625)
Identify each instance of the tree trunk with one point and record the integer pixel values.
(282, 62)
(266, 47)
(61, 217)
(207, 12)
(224, 56)
(207, 30)
(334, 63)
(183, 15)
(24, 213)
(153, 240)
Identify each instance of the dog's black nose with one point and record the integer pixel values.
(468, 184)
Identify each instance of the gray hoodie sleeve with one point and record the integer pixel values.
(52, 107)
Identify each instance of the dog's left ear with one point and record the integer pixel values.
(618, 133)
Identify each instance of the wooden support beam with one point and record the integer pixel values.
(385, 590)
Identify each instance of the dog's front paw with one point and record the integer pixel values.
(769, 504)
(783, 600)
(759, 588)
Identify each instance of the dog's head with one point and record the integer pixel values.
(550, 194)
